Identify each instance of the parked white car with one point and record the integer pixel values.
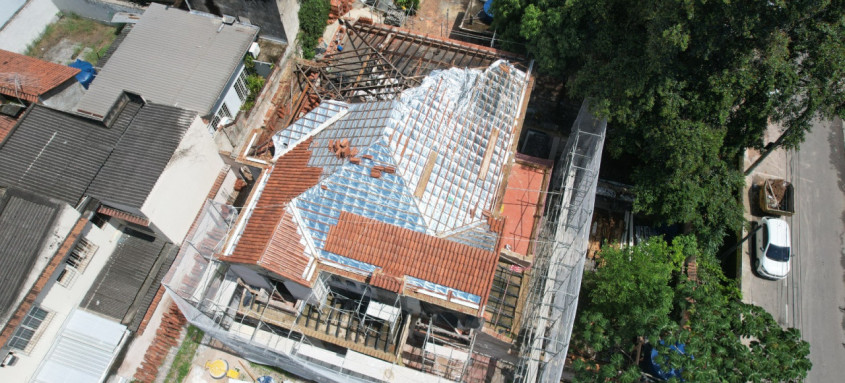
(774, 248)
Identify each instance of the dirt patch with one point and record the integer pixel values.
(437, 17)
(73, 37)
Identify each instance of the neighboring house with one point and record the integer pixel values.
(382, 241)
(95, 211)
(172, 57)
(25, 80)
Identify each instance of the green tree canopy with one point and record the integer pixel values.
(643, 292)
(688, 84)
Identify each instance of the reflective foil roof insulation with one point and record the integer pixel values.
(431, 161)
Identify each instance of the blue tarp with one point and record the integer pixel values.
(86, 72)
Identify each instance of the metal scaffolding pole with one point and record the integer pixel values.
(556, 282)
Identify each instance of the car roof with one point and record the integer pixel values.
(778, 232)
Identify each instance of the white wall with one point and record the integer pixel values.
(61, 301)
(102, 10)
(27, 25)
(183, 186)
(288, 12)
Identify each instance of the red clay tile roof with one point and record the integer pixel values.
(399, 252)
(6, 125)
(387, 282)
(290, 177)
(123, 215)
(35, 76)
(285, 255)
(522, 202)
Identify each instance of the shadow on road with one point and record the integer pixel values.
(837, 159)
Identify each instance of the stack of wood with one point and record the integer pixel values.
(605, 227)
(338, 9)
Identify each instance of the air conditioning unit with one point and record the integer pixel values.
(254, 50)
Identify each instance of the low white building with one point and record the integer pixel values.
(92, 213)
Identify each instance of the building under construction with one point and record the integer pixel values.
(393, 233)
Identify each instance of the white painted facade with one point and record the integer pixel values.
(182, 187)
(232, 99)
(61, 301)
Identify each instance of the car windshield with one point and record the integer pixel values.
(778, 253)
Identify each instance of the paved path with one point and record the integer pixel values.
(810, 297)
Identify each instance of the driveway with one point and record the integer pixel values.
(810, 297)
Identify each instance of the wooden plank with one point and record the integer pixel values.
(426, 174)
(488, 154)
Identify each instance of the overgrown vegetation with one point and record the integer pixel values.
(413, 5)
(688, 86)
(181, 366)
(313, 15)
(80, 32)
(254, 82)
(642, 295)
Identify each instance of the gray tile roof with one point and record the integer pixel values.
(172, 57)
(65, 156)
(141, 155)
(125, 278)
(25, 222)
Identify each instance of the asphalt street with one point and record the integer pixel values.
(811, 296)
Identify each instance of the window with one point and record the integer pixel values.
(240, 87)
(67, 276)
(224, 111)
(30, 329)
(81, 254)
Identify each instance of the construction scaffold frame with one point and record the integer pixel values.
(377, 62)
(561, 251)
(211, 297)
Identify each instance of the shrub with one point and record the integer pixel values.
(312, 22)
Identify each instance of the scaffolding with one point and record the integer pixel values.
(561, 251)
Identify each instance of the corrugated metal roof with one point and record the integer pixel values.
(57, 154)
(25, 222)
(121, 281)
(65, 156)
(141, 155)
(172, 57)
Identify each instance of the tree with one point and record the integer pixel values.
(694, 82)
(641, 294)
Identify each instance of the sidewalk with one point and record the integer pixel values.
(755, 290)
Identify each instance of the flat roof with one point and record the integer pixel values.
(172, 57)
(522, 202)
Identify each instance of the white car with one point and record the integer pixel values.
(774, 249)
